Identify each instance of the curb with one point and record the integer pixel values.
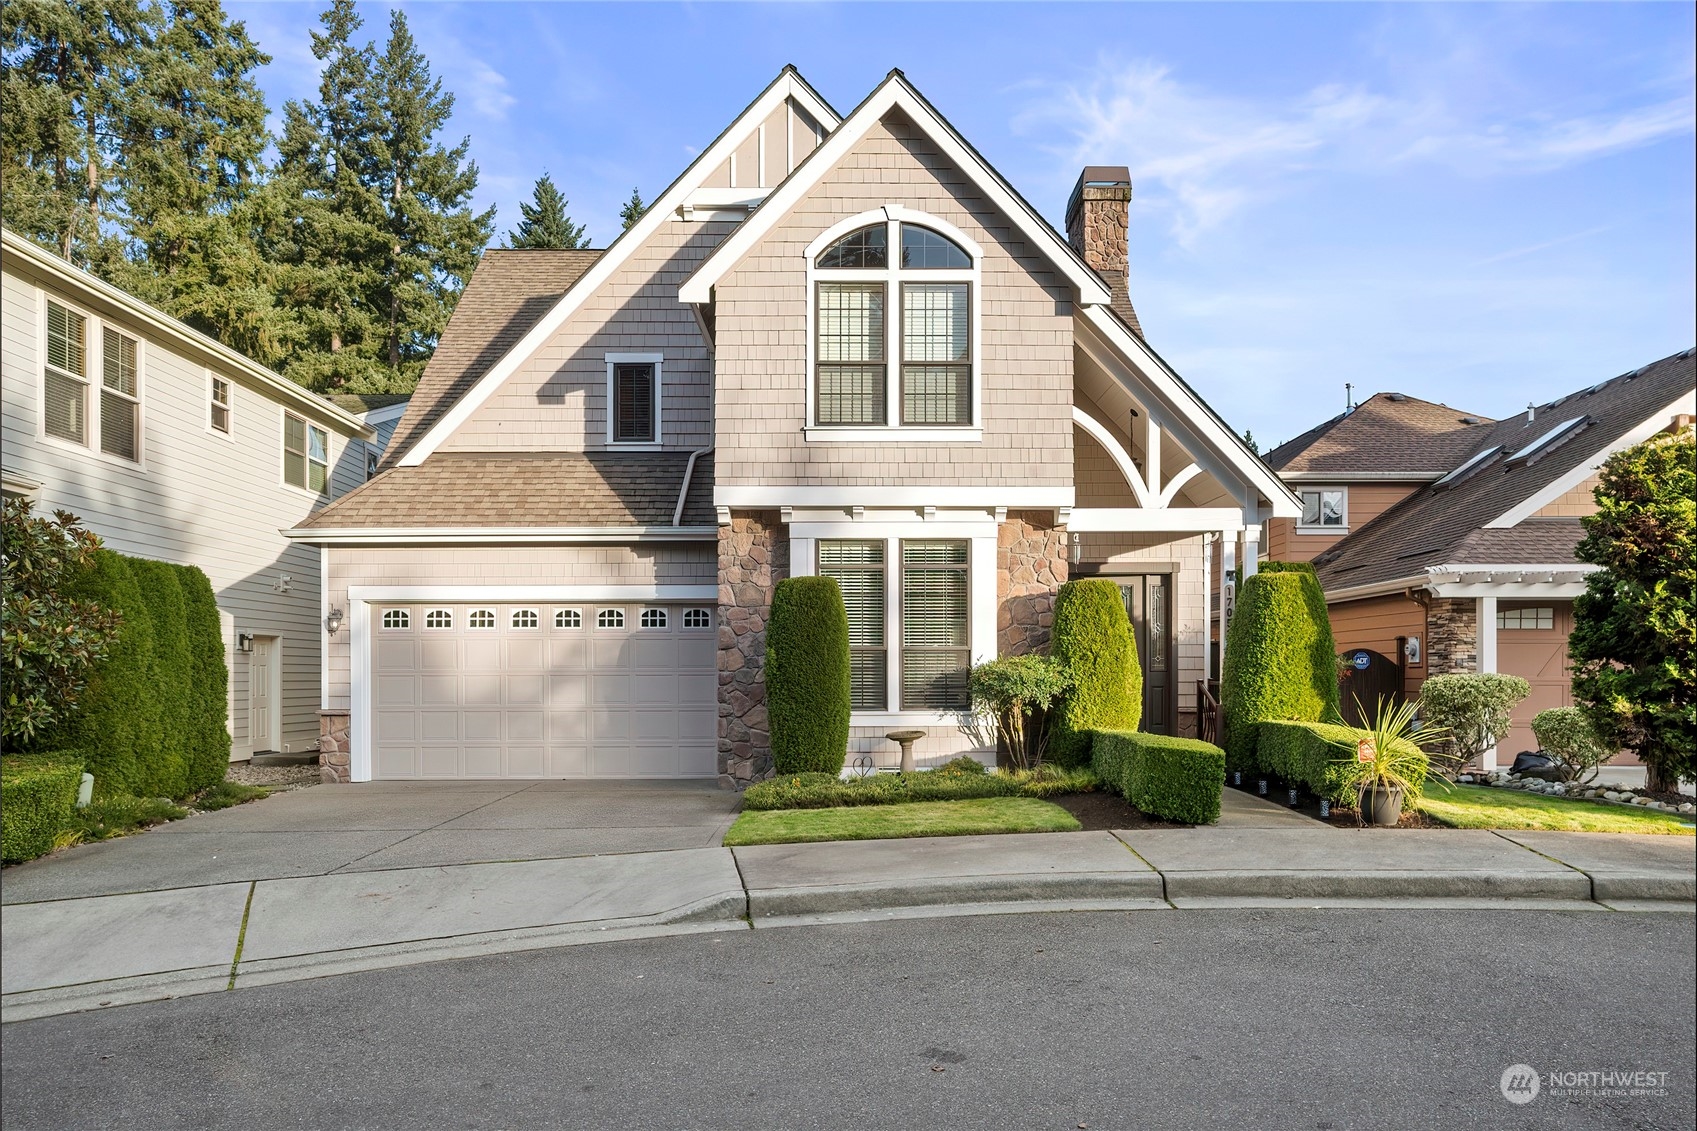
(1142, 889)
(1386, 885)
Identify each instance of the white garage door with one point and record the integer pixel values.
(543, 691)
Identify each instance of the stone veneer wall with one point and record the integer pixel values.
(334, 747)
(1452, 635)
(1031, 563)
(754, 556)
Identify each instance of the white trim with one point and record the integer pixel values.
(229, 404)
(1321, 489)
(461, 535)
(324, 637)
(20, 485)
(385, 414)
(1511, 591)
(359, 687)
(1306, 477)
(765, 496)
(658, 361)
(283, 458)
(1177, 482)
(894, 92)
(1686, 403)
(898, 434)
(1192, 424)
(1175, 520)
(1485, 625)
(156, 321)
(544, 594)
(94, 385)
(1116, 452)
(1558, 581)
(787, 85)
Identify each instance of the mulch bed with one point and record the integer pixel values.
(1105, 810)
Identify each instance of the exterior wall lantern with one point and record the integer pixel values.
(333, 622)
(244, 641)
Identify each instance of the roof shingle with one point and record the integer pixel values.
(1385, 432)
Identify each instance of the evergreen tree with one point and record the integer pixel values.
(434, 237)
(1249, 442)
(544, 223)
(325, 225)
(70, 66)
(633, 210)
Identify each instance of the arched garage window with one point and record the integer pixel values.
(906, 324)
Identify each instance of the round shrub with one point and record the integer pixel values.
(116, 723)
(807, 676)
(208, 736)
(1092, 637)
(1280, 661)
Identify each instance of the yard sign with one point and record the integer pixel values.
(1366, 750)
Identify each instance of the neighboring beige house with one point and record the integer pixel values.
(1445, 542)
(173, 447)
(840, 346)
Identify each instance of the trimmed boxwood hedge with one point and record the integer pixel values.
(807, 676)
(1176, 778)
(208, 735)
(960, 780)
(1317, 755)
(1092, 637)
(1280, 660)
(38, 793)
(117, 719)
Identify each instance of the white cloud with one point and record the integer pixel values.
(486, 90)
(1201, 158)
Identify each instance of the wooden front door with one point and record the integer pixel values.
(1149, 603)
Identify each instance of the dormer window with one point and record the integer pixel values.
(893, 344)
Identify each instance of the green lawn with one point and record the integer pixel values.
(1480, 807)
(919, 818)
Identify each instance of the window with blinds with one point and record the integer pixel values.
(936, 354)
(936, 644)
(633, 403)
(120, 399)
(850, 377)
(306, 455)
(858, 569)
(65, 380)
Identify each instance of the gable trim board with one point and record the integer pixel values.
(893, 93)
(1554, 490)
(789, 84)
(1549, 579)
(463, 535)
(201, 347)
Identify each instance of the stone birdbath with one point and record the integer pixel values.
(906, 738)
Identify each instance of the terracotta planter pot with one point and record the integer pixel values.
(1381, 806)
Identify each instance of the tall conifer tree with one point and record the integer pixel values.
(543, 222)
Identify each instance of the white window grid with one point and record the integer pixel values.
(568, 618)
(105, 414)
(698, 618)
(1536, 617)
(439, 618)
(397, 618)
(219, 411)
(481, 618)
(526, 618)
(653, 618)
(610, 618)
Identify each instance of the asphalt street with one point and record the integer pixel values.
(1320, 1020)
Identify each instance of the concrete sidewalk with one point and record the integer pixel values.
(60, 955)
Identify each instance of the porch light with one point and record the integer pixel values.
(1293, 799)
(1077, 548)
(1262, 788)
(333, 622)
(1325, 808)
(244, 641)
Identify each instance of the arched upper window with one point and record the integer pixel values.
(902, 328)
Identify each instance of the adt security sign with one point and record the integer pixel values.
(1362, 661)
(1366, 750)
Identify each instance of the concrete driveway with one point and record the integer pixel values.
(378, 825)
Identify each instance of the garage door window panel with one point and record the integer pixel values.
(396, 619)
(568, 618)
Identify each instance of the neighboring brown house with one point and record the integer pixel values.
(838, 346)
(1455, 549)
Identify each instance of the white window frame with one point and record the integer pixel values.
(892, 276)
(228, 405)
(658, 361)
(561, 613)
(405, 616)
(981, 594)
(515, 614)
(1317, 528)
(283, 450)
(93, 381)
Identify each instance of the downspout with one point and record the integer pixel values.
(683, 491)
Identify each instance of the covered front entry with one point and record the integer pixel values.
(540, 690)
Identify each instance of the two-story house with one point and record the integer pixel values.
(173, 447)
(834, 345)
(1445, 541)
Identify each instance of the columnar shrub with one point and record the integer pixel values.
(1092, 637)
(807, 676)
(117, 720)
(1280, 661)
(208, 736)
(165, 772)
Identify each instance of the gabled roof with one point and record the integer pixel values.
(895, 92)
(412, 445)
(505, 297)
(1483, 516)
(554, 490)
(1386, 433)
(199, 346)
(357, 403)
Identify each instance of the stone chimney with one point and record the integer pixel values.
(1098, 214)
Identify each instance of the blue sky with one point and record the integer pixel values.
(1480, 205)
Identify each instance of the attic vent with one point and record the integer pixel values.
(1466, 469)
(1397, 397)
(1548, 442)
(1471, 420)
